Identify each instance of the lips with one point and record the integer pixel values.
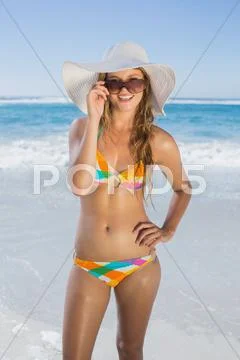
(125, 98)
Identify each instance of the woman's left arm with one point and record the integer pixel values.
(167, 156)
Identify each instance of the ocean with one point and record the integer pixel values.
(35, 130)
(38, 221)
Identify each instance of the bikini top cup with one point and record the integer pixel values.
(130, 178)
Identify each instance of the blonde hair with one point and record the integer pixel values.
(139, 143)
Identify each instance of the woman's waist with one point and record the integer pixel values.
(108, 243)
(111, 224)
(109, 248)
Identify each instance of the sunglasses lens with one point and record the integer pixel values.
(136, 85)
(113, 86)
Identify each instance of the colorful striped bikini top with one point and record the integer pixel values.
(130, 178)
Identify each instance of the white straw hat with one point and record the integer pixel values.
(79, 78)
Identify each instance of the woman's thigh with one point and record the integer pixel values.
(135, 296)
(85, 304)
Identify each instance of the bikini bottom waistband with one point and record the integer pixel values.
(152, 255)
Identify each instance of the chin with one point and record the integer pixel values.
(127, 109)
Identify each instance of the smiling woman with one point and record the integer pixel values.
(130, 91)
(115, 243)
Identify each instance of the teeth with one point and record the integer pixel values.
(125, 97)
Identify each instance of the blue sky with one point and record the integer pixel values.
(172, 32)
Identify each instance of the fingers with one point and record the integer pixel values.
(99, 89)
(142, 229)
(142, 233)
(152, 238)
(142, 225)
(100, 85)
(154, 243)
(147, 236)
(100, 92)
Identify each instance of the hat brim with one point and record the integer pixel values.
(79, 78)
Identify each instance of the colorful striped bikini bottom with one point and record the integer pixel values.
(113, 272)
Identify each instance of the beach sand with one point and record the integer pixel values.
(37, 234)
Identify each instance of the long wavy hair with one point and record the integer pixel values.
(139, 142)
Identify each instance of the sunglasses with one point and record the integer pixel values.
(134, 86)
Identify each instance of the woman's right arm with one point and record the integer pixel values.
(82, 150)
(83, 141)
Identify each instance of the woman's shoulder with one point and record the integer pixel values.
(79, 123)
(77, 126)
(162, 142)
(160, 137)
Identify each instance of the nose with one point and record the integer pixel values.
(124, 91)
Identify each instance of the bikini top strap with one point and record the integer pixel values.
(100, 129)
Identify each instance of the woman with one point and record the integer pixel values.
(110, 153)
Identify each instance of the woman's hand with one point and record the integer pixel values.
(96, 99)
(149, 234)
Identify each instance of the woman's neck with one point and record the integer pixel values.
(122, 121)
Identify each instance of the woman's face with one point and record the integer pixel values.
(115, 99)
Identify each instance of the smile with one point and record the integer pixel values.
(125, 98)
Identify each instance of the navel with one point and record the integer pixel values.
(107, 228)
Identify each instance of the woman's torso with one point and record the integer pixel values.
(106, 220)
